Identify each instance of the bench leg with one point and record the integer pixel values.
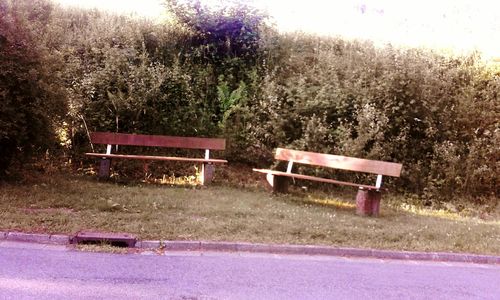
(279, 183)
(207, 173)
(145, 168)
(104, 167)
(368, 202)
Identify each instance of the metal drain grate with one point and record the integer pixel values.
(114, 239)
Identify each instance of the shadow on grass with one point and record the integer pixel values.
(331, 202)
(170, 181)
(343, 201)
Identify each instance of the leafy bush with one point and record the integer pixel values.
(31, 98)
(226, 72)
(413, 106)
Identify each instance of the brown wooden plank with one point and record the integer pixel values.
(157, 141)
(313, 178)
(340, 162)
(147, 157)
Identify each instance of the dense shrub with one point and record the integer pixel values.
(225, 72)
(131, 75)
(30, 94)
(425, 110)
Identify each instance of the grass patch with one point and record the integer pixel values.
(104, 248)
(67, 204)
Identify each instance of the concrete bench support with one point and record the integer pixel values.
(207, 173)
(279, 183)
(104, 167)
(368, 202)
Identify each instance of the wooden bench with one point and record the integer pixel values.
(110, 139)
(368, 197)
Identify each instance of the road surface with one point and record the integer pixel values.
(31, 271)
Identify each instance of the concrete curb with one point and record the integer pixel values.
(53, 239)
(328, 251)
(56, 239)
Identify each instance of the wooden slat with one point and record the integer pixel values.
(340, 162)
(147, 157)
(157, 141)
(313, 178)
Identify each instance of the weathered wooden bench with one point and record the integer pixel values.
(110, 139)
(368, 197)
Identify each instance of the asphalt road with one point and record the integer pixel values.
(31, 271)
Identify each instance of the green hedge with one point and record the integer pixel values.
(228, 73)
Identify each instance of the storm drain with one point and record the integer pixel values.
(123, 240)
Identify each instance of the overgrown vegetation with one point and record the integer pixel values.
(227, 73)
(32, 100)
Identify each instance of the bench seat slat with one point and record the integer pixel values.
(307, 177)
(149, 157)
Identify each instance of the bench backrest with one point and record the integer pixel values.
(111, 138)
(339, 162)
